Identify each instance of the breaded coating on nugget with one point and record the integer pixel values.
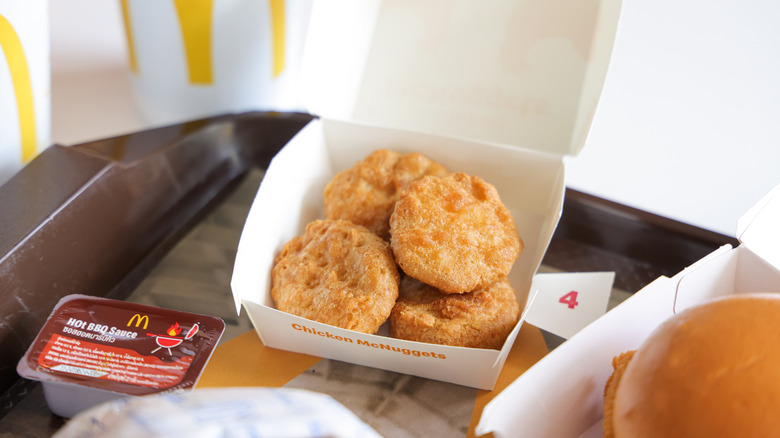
(366, 193)
(454, 233)
(337, 273)
(619, 364)
(479, 319)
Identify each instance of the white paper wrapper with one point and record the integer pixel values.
(228, 412)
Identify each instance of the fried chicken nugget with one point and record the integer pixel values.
(454, 233)
(366, 193)
(337, 273)
(619, 365)
(479, 319)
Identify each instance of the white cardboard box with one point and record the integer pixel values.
(562, 395)
(481, 88)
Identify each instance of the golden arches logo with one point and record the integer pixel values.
(138, 318)
(277, 32)
(129, 36)
(195, 22)
(195, 18)
(11, 45)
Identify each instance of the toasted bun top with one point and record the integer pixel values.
(712, 370)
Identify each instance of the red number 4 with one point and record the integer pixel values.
(569, 299)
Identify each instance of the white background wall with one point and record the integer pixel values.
(689, 121)
(688, 125)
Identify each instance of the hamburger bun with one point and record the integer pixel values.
(711, 370)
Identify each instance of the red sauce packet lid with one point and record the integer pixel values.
(121, 347)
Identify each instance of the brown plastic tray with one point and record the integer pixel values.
(97, 218)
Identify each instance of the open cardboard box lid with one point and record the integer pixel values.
(562, 395)
(525, 74)
(501, 90)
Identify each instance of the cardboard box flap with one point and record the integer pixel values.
(571, 378)
(756, 229)
(526, 74)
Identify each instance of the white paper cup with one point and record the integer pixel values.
(25, 83)
(196, 58)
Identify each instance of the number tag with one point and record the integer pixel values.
(570, 299)
(567, 302)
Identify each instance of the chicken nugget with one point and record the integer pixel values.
(479, 319)
(366, 193)
(454, 233)
(337, 273)
(619, 365)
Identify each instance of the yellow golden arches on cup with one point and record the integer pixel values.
(195, 21)
(20, 78)
(277, 35)
(129, 37)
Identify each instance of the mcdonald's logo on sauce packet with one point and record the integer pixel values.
(139, 319)
(193, 58)
(25, 83)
